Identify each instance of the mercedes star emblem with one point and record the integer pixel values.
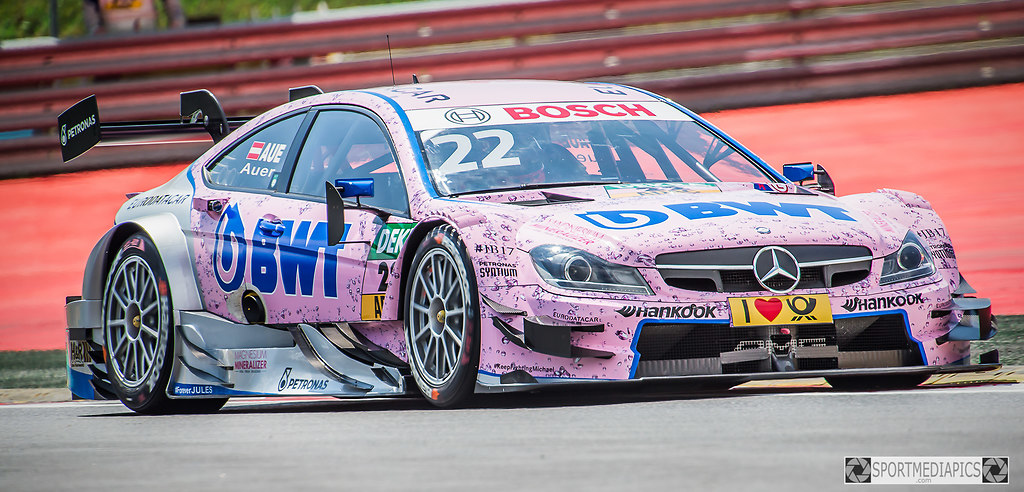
(775, 266)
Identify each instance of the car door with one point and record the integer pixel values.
(344, 143)
(260, 218)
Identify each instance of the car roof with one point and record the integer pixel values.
(486, 92)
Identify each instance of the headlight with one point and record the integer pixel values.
(570, 268)
(911, 261)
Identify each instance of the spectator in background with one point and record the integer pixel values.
(129, 15)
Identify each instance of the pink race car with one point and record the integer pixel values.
(493, 236)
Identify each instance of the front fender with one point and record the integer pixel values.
(172, 247)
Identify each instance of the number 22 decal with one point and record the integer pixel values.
(497, 157)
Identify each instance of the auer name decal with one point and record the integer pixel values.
(861, 304)
(668, 312)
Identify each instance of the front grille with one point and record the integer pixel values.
(744, 281)
(667, 349)
(885, 333)
(731, 270)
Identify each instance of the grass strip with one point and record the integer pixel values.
(33, 369)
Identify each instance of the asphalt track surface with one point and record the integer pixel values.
(750, 439)
(960, 149)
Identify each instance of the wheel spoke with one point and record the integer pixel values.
(149, 307)
(117, 297)
(454, 336)
(144, 328)
(420, 334)
(420, 281)
(447, 363)
(140, 283)
(433, 277)
(129, 282)
(421, 308)
(139, 347)
(120, 346)
(438, 371)
(129, 359)
(454, 346)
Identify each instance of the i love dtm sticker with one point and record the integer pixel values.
(781, 310)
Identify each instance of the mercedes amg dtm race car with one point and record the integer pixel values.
(492, 236)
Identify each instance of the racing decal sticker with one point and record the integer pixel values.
(424, 95)
(783, 188)
(938, 232)
(288, 383)
(148, 201)
(467, 116)
(266, 152)
(624, 219)
(648, 189)
(293, 256)
(229, 255)
(557, 111)
(782, 310)
(250, 360)
(498, 269)
(580, 234)
(193, 389)
(494, 249)
(692, 311)
(705, 210)
(78, 353)
(136, 243)
(880, 303)
(389, 241)
(500, 114)
(372, 307)
(632, 219)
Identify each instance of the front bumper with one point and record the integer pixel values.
(529, 334)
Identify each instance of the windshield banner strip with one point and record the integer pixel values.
(431, 119)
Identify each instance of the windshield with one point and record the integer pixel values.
(533, 146)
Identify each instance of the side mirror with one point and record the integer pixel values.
(336, 193)
(806, 170)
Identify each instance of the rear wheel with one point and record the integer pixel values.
(868, 383)
(441, 326)
(137, 327)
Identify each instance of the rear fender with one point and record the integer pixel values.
(171, 245)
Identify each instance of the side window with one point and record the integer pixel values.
(346, 145)
(255, 164)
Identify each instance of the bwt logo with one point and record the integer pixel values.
(294, 256)
(632, 219)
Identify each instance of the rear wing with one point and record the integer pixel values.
(81, 129)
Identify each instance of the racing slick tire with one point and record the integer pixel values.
(138, 332)
(441, 319)
(871, 383)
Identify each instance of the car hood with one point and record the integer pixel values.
(633, 226)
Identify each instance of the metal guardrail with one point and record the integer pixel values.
(706, 54)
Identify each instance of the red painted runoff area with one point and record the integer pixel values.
(960, 149)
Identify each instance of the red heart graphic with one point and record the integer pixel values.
(769, 308)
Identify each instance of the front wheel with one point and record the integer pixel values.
(441, 324)
(137, 327)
